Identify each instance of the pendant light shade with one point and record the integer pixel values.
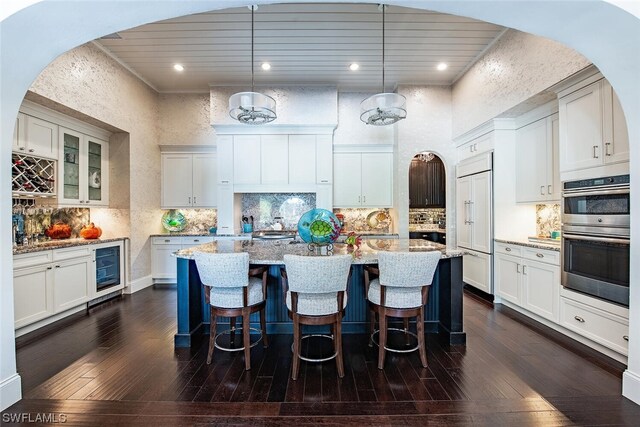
(252, 108)
(383, 108)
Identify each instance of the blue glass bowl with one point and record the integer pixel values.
(319, 226)
(174, 220)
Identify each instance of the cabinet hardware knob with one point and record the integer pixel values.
(225, 181)
(606, 149)
(507, 249)
(549, 189)
(364, 199)
(524, 269)
(540, 255)
(167, 240)
(324, 181)
(517, 268)
(189, 200)
(57, 266)
(595, 155)
(31, 150)
(196, 240)
(81, 201)
(49, 268)
(579, 319)
(625, 337)
(542, 190)
(21, 148)
(194, 200)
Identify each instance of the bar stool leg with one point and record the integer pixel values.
(338, 348)
(212, 334)
(406, 328)
(382, 322)
(232, 330)
(372, 324)
(421, 344)
(246, 338)
(263, 326)
(296, 348)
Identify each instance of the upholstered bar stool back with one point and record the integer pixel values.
(233, 290)
(315, 289)
(401, 290)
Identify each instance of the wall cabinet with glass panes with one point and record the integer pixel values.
(83, 170)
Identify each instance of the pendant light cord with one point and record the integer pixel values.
(383, 8)
(252, 80)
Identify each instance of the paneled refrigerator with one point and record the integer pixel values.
(474, 205)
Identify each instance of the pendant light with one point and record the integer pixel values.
(252, 108)
(383, 108)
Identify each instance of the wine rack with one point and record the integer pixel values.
(32, 175)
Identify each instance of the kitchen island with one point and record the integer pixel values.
(443, 312)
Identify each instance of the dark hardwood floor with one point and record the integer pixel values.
(117, 366)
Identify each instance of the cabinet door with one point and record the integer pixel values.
(224, 148)
(70, 165)
(205, 187)
(176, 180)
(42, 138)
(532, 162)
(463, 197)
(507, 276)
(616, 135)
(302, 159)
(541, 289)
(581, 129)
(246, 159)
(476, 271)
(377, 180)
(97, 172)
(553, 172)
(19, 142)
(324, 159)
(436, 187)
(70, 283)
(347, 177)
(227, 202)
(32, 294)
(324, 196)
(418, 197)
(481, 215)
(274, 159)
(163, 263)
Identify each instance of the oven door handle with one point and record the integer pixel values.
(596, 192)
(595, 239)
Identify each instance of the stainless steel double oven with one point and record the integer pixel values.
(595, 237)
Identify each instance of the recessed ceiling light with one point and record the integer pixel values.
(178, 67)
(266, 66)
(354, 67)
(442, 66)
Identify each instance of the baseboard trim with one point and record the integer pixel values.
(138, 284)
(10, 391)
(631, 386)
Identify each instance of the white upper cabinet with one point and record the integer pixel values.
(83, 170)
(302, 159)
(224, 148)
(274, 159)
(593, 130)
(537, 174)
(246, 159)
(362, 180)
(35, 137)
(324, 159)
(189, 180)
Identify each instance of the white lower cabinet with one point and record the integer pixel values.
(32, 294)
(71, 283)
(529, 278)
(476, 270)
(163, 263)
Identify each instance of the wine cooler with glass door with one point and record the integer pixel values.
(108, 273)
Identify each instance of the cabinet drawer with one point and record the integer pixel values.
(508, 249)
(71, 253)
(166, 240)
(35, 258)
(541, 255)
(196, 240)
(604, 328)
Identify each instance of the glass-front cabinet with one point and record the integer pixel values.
(83, 171)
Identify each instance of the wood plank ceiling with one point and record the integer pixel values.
(305, 44)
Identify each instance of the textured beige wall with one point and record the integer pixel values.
(517, 67)
(87, 80)
(185, 118)
(426, 128)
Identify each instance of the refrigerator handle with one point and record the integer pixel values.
(470, 212)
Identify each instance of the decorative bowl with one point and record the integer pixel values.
(319, 227)
(173, 220)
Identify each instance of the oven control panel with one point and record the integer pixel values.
(597, 182)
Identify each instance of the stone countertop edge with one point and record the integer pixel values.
(202, 234)
(65, 243)
(271, 253)
(528, 244)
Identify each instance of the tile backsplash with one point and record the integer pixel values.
(37, 219)
(419, 217)
(198, 220)
(266, 207)
(547, 219)
(361, 219)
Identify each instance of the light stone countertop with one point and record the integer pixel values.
(272, 252)
(62, 243)
(427, 227)
(529, 244)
